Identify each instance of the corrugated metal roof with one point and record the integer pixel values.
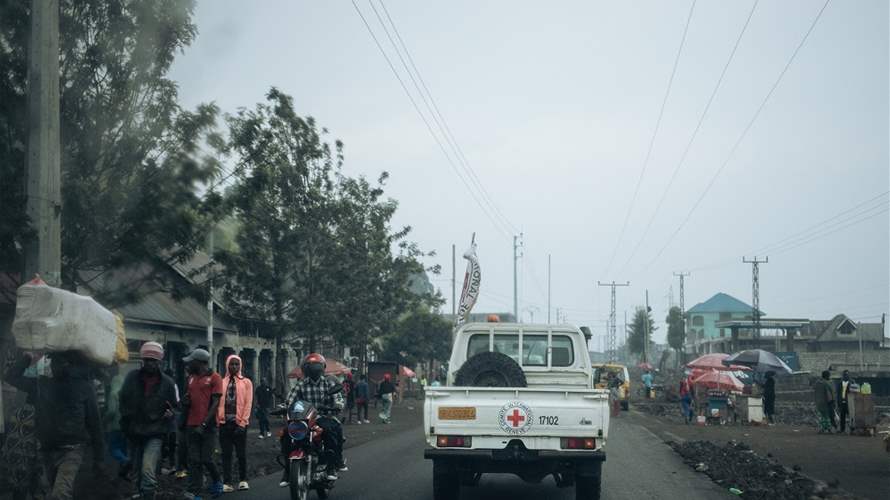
(722, 302)
(161, 307)
(157, 306)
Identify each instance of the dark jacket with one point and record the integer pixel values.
(385, 387)
(823, 395)
(66, 409)
(264, 397)
(839, 389)
(769, 389)
(142, 415)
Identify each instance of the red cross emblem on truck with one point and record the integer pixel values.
(515, 418)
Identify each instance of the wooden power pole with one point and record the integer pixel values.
(43, 253)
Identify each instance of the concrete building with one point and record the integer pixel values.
(703, 335)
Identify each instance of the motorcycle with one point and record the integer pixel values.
(306, 458)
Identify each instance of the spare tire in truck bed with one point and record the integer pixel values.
(490, 369)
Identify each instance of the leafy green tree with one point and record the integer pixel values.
(421, 337)
(132, 160)
(636, 337)
(676, 335)
(314, 253)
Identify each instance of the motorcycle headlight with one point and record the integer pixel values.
(297, 430)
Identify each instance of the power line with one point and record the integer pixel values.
(427, 123)
(743, 135)
(816, 231)
(442, 122)
(694, 135)
(667, 93)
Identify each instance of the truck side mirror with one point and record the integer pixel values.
(586, 331)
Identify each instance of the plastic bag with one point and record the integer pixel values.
(52, 319)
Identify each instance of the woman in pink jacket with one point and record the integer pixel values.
(233, 417)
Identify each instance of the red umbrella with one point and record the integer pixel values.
(332, 367)
(406, 372)
(714, 362)
(714, 379)
(645, 366)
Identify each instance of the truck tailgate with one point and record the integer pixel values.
(504, 413)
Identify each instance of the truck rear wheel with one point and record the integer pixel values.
(446, 481)
(588, 487)
(490, 369)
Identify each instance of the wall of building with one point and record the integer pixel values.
(872, 360)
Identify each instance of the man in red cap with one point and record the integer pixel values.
(147, 400)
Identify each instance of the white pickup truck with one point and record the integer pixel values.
(519, 400)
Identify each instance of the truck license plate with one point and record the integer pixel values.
(457, 413)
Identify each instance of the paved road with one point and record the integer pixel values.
(639, 466)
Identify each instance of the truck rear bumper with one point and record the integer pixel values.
(514, 455)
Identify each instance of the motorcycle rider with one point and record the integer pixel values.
(316, 389)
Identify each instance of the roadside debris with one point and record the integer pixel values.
(736, 467)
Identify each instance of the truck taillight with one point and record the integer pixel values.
(578, 443)
(454, 441)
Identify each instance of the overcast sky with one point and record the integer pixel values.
(554, 105)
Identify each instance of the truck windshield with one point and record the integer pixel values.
(534, 348)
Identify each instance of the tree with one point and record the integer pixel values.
(676, 335)
(132, 160)
(314, 254)
(637, 335)
(421, 337)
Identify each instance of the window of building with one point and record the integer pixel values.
(698, 321)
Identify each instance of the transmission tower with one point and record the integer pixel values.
(755, 291)
(611, 341)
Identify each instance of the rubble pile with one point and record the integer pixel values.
(736, 467)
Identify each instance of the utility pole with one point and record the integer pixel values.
(755, 291)
(43, 253)
(517, 244)
(646, 330)
(626, 347)
(883, 328)
(611, 344)
(549, 289)
(213, 361)
(682, 277)
(453, 280)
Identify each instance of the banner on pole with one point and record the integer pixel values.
(472, 280)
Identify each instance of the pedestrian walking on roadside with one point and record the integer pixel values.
(842, 389)
(67, 417)
(362, 395)
(647, 383)
(265, 400)
(823, 395)
(171, 440)
(114, 437)
(769, 397)
(349, 393)
(686, 400)
(385, 392)
(201, 403)
(614, 384)
(233, 417)
(147, 401)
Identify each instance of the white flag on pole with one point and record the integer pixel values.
(472, 280)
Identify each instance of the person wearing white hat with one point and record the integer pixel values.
(147, 401)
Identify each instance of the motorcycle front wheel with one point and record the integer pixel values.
(299, 480)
